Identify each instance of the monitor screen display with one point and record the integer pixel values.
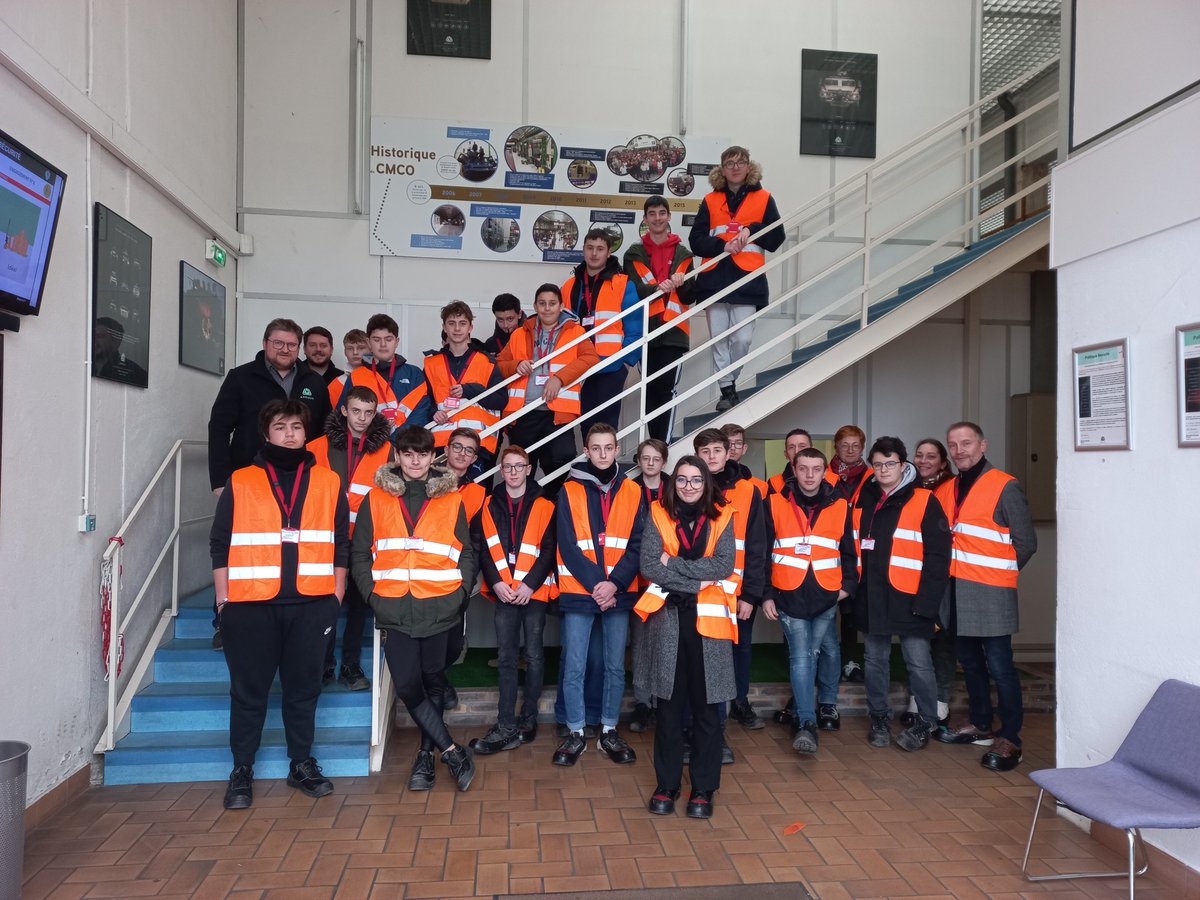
(30, 198)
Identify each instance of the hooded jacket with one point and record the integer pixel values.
(233, 438)
(414, 617)
(405, 377)
(880, 608)
(631, 324)
(497, 504)
(703, 244)
(637, 252)
(810, 599)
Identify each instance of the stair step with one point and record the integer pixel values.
(204, 706)
(194, 659)
(196, 622)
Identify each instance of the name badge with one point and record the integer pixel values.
(868, 543)
(600, 539)
(803, 549)
(540, 379)
(412, 543)
(389, 414)
(589, 321)
(512, 559)
(290, 535)
(451, 402)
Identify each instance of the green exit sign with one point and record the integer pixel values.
(214, 253)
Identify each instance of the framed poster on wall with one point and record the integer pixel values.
(201, 321)
(121, 288)
(1187, 361)
(838, 96)
(461, 28)
(1102, 396)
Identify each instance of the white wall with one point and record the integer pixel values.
(1125, 234)
(162, 83)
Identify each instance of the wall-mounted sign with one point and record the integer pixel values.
(450, 28)
(838, 94)
(201, 321)
(1102, 396)
(523, 191)
(121, 311)
(1187, 360)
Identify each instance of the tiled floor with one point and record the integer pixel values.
(876, 823)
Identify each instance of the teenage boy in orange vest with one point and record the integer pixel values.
(397, 383)
(280, 546)
(354, 446)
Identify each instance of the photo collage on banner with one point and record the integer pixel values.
(524, 192)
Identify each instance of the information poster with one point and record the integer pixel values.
(524, 192)
(838, 94)
(201, 320)
(121, 326)
(1102, 397)
(1188, 358)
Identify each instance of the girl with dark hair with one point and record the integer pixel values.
(690, 611)
(932, 462)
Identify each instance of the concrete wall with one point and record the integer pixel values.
(158, 80)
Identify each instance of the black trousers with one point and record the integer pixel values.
(555, 453)
(352, 638)
(660, 388)
(418, 669)
(596, 389)
(261, 639)
(689, 693)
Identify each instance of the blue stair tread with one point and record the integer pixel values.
(202, 693)
(355, 739)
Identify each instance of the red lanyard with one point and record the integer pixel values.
(605, 506)
(652, 494)
(878, 506)
(351, 462)
(391, 373)
(587, 296)
(803, 519)
(450, 374)
(537, 344)
(286, 507)
(513, 516)
(687, 542)
(412, 525)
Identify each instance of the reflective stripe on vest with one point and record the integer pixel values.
(669, 306)
(823, 538)
(751, 212)
(981, 549)
(256, 542)
(425, 566)
(716, 604)
(478, 371)
(609, 337)
(541, 514)
(908, 548)
(621, 518)
(741, 497)
(362, 479)
(567, 402)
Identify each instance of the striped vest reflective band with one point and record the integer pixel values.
(981, 550)
(908, 548)
(362, 479)
(541, 514)
(425, 565)
(610, 332)
(741, 497)
(799, 546)
(721, 224)
(716, 604)
(256, 544)
(395, 410)
(669, 306)
(567, 401)
(478, 371)
(621, 517)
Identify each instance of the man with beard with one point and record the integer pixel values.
(318, 353)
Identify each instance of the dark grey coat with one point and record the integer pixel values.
(654, 664)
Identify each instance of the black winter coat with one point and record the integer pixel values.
(497, 504)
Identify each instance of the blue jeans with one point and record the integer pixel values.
(804, 637)
(576, 635)
(829, 667)
(992, 656)
(593, 682)
(511, 620)
(921, 679)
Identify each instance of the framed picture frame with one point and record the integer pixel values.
(1101, 378)
(201, 320)
(1187, 364)
(121, 310)
(838, 98)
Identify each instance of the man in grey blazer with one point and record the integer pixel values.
(993, 539)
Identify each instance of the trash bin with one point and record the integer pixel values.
(14, 760)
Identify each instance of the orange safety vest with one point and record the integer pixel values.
(567, 401)
(716, 604)
(621, 518)
(541, 514)
(256, 544)
(725, 226)
(478, 371)
(799, 546)
(473, 495)
(362, 479)
(394, 410)
(610, 334)
(908, 548)
(740, 497)
(981, 550)
(669, 306)
(424, 565)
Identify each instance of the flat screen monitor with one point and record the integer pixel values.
(31, 193)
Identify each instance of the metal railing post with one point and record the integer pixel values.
(113, 619)
(866, 288)
(642, 430)
(175, 541)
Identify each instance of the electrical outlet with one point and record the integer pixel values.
(87, 523)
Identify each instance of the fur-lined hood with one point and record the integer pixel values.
(753, 177)
(440, 482)
(378, 432)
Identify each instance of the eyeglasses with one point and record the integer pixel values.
(735, 163)
(515, 467)
(736, 445)
(284, 345)
(849, 445)
(463, 449)
(696, 481)
(886, 466)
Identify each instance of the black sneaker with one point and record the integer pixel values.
(828, 717)
(744, 715)
(527, 728)
(569, 750)
(908, 719)
(461, 764)
(561, 730)
(449, 698)
(728, 399)
(218, 643)
(805, 740)
(881, 732)
(327, 676)
(354, 678)
(305, 776)
(614, 747)
(700, 805)
(497, 740)
(639, 721)
(240, 792)
(915, 736)
(852, 672)
(726, 753)
(663, 801)
(424, 773)
(787, 715)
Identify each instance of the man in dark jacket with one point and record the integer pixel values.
(509, 317)
(318, 353)
(904, 545)
(733, 218)
(275, 373)
(813, 566)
